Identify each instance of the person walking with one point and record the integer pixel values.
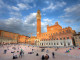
(20, 53)
(53, 54)
(47, 51)
(43, 57)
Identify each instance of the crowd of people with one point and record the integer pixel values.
(21, 52)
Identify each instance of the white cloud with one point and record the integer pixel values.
(47, 2)
(23, 6)
(30, 18)
(15, 14)
(19, 7)
(49, 21)
(1, 3)
(44, 24)
(71, 14)
(15, 8)
(54, 6)
(66, 15)
(72, 8)
(28, 1)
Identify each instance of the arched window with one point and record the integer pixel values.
(54, 44)
(49, 43)
(61, 44)
(57, 38)
(54, 39)
(60, 38)
(64, 38)
(67, 37)
(68, 43)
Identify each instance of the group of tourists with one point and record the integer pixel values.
(21, 53)
(46, 57)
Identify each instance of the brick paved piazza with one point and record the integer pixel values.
(60, 54)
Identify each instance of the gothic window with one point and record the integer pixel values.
(57, 38)
(63, 31)
(60, 38)
(64, 38)
(67, 37)
(66, 30)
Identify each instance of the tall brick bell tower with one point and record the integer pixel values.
(38, 17)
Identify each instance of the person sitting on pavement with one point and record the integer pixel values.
(37, 54)
(46, 57)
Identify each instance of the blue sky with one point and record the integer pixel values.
(19, 16)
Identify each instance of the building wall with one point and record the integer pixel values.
(31, 40)
(9, 37)
(77, 39)
(53, 43)
(22, 39)
(55, 33)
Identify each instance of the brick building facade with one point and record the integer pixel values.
(9, 37)
(55, 35)
(77, 39)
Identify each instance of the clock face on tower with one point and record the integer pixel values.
(37, 32)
